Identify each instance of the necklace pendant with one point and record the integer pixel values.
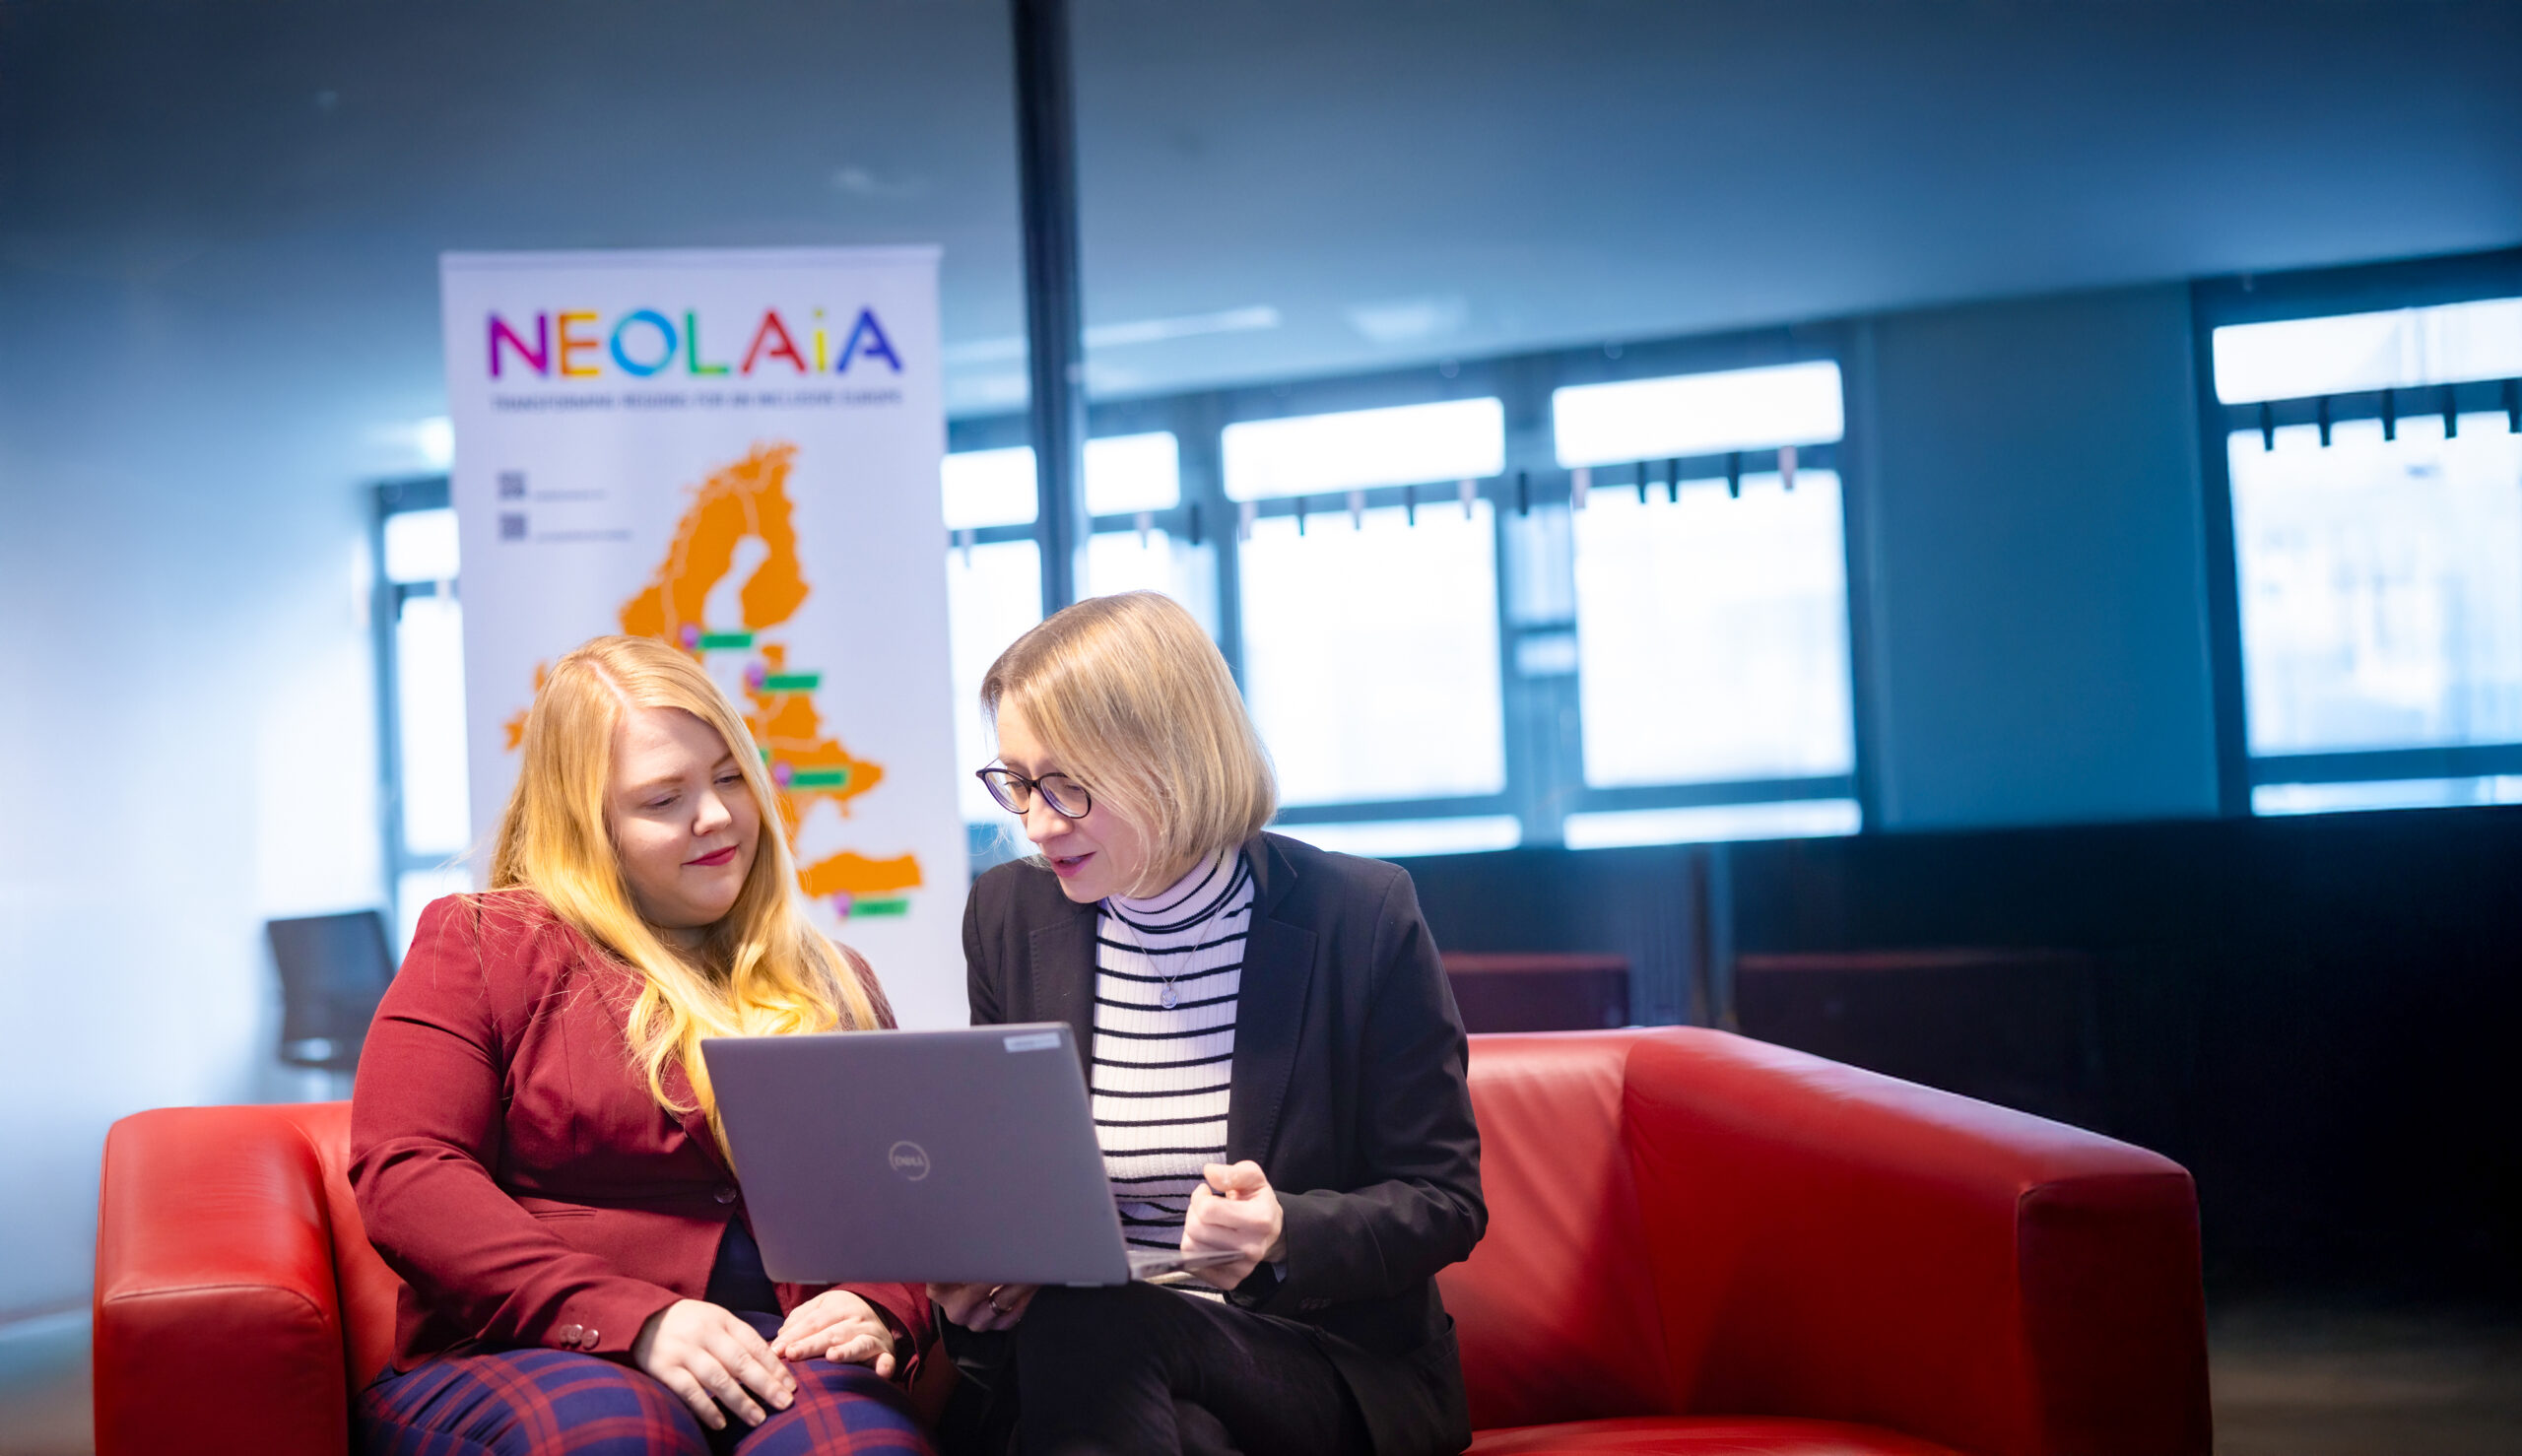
(1170, 997)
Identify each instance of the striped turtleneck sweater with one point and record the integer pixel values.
(1167, 972)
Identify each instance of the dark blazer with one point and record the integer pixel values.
(1348, 1091)
(509, 1159)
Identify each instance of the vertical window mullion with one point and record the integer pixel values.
(1199, 423)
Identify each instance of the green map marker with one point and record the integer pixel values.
(818, 779)
(792, 682)
(725, 642)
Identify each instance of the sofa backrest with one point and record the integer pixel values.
(1833, 1243)
(1556, 1308)
(368, 1287)
(1822, 1242)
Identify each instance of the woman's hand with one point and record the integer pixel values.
(980, 1307)
(710, 1359)
(840, 1327)
(1236, 1211)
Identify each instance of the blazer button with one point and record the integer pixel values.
(592, 1339)
(571, 1334)
(725, 1194)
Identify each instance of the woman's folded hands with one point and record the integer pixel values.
(840, 1327)
(710, 1359)
(715, 1363)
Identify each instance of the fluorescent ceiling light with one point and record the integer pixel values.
(1250, 319)
(1410, 320)
(1187, 326)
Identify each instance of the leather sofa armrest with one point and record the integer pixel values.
(1832, 1243)
(217, 1325)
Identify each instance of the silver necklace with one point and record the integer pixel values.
(1167, 995)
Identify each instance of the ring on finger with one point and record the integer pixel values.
(992, 1298)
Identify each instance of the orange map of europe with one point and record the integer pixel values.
(749, 501)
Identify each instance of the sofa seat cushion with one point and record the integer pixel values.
(1702, 1435)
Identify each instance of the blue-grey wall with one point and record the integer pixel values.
(2029, 561)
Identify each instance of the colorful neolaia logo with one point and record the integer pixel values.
(644, 343)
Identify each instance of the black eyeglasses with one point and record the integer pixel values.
(1014, 792)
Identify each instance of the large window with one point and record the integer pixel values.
(2373, 460)
(1711, 606)
(1585, 598)
(1712, 635)
(1368, 596)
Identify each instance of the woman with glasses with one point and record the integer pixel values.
(1276, 1068)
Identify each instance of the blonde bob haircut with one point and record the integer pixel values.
(762, 970)
(1133, 701)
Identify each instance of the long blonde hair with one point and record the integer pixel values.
(762, 970)
(1134, 702)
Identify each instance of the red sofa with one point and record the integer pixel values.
(1698, 1244)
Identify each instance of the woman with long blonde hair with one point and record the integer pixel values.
(535, 1146)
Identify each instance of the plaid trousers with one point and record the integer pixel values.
(562, 1402)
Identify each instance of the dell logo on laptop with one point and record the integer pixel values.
(909, 1159)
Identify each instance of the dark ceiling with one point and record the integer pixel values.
(1269, 190)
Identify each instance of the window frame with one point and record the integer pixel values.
(2219, 302)
(1543, 726)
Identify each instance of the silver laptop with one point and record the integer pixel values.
(963, 1157)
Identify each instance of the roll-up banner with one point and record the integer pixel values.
(736, 454)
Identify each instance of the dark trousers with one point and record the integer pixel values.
(1139, 1370)
(568, 1404)
(562, 1403)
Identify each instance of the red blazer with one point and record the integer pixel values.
(509, 1159)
